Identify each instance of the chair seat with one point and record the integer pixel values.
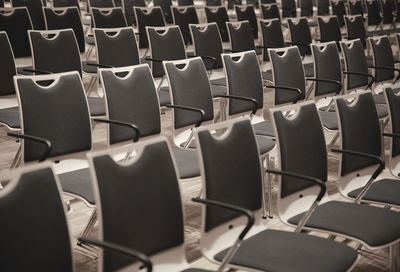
(373, 225)
(265, 128)
(218, 90)
(164, 96)
(90, 69)
(275, 250)
(384, 191)
(218, 81)
(20, 70)
(97, 106)
(309, 69)
(329, 120)
(89, 40)
(265, 144)
(10, 117)
(267, 75)
(78, 183)
(379, 98)
(187, 162)
(382, 110)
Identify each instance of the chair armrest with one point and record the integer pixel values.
(327, 81)
(377, 172)
(313, 180)
(27, 137)
(123, 124)
(100, 65)
(133, 254)
(298, 43)
(243, 211)
(243, 98)
(286, 88)
(214, 60)
(200, 111)
(387, 68)
(36, 71)
(391, 135)
(362, 74)
(153, 59)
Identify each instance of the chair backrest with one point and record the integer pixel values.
(289, 8)
(46, 47)
(185, 3)
(339, 10)
(108, 17)
(306, 8)
(240, 36)
(272, 35)
(166, 8)
(100, 4)
(143, 191)
(232, 3)
(270, 11)
(322, 7)
(166, 43)
(360, 130)
(243, 75)
(189, 86)
(300, 33)
(128, 8)
(231, 171)
(16, 22)
(356, 29)
(62, 18)
(182, 17)
(35, 11)
(329, 29)
(131, 97)
(247, 13)
(356, 7)
(147, 17)
(66, 4)
(354, 61)
(393, 100)
(36, 225)
(287, 61)
(213, 3)
(383, 57)
(57, 112)
(218, 15)
(207, 41)
(7, 66)
(374, 12)
(388, 10)
(116, 47)
(327, 65)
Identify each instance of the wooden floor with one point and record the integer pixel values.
(80, 213)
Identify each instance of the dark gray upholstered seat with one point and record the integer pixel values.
(218, 81)
(267, 75)
(300, 34)
(164, 96)
(308, 69)
(263, 251)
(265, 128)
(382, 110)
(96, 106)
(329, 120)
(384, 190)
(359, 221)
(90, 69)
(89, 40)
(186, 162)
(10, 117)
(218, 15)
(78, 183)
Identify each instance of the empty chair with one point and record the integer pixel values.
(16, 22)
(185, 3)
(147, 17)
(100, 4)
(108, 17)
(289, 8)
(356, 29)
(374, 17)
(218, 15)
(116, 47)
(339, 10)
(388, 11)
(270, 11)
(230, 161)
(35, 11)
(241, 37)
(62, 18)
(323, 7)
(165, 6)
(66, 4)
(306, 8)
(300, 34)
(128, 8)
(329, 29)
(247, 13)
(182, 17)
(356, 8)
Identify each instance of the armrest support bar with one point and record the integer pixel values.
(27, 137)
(200, 111)
(100, 65)
(36, 71)
(286, 88)
(153, 59)
(362, 74)
(120, 123)
(387, 68)
(243, 98)
(338, 83)
(133, 254)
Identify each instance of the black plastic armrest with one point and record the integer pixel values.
(100, 65)
(133, 254)
(362, 74)
(139, 34)
(36, 71)
(262, 47)
(214, 60)
(387, 68)
(286, 88)
(200, 111)
(338, 83)
(313, 180)
(27, 137)
(243, 98)
(123, 124)
(90, 35)
(298, 43)
(392, 135)
(153, 59)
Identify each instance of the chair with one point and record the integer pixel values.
(131, 97)
(182, 17)
(218, 15)
(108, 17)
(300, 34)
(165, 6)
(306, 8)
(230, 161)
(16, 22)
(356, 8)
(100, 4)
(323, 7)
(356, 29)
(116, 47)
(47, 57)
(128, 8)
(308, 159)
(329, 29)
(63, 18)
(270, 11)
(147, 17)
(289, 8)
(339, 10)
(35, 11)
(39, 226)
(271, 36)
(241, 37)
(66, 4)
(374, 17)
(388, 12)
(247, 13)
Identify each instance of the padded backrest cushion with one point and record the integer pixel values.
(247, 13)
(241, 37)
(7, 67)
(355, 61)
(207, 42)
(394, 106)
(383, 56)
(272, 36)
(220, 16)
(109, 19)
(152, 18)
(35, 11)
